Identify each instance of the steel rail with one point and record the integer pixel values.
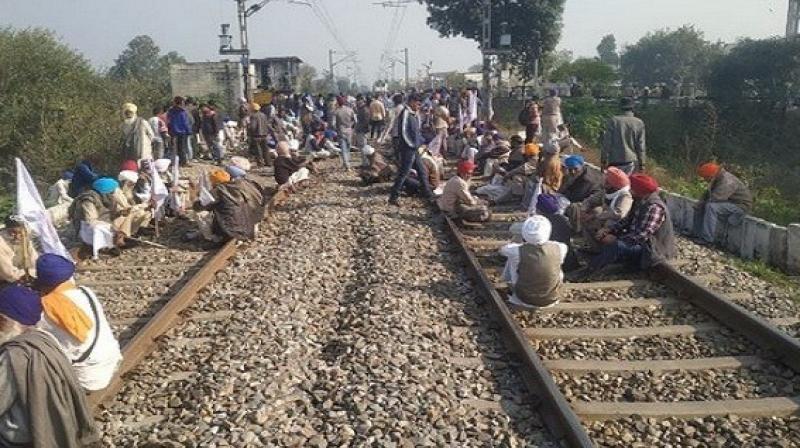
(559, 417)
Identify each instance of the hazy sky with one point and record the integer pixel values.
(101, 28)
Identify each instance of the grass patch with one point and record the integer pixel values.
(769, 274)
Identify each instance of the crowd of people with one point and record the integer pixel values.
(55, 340)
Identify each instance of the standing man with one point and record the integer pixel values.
(551, 115)
(408, 141)
(534, 120)
(211, 126)
(137, 135)
(194, 115)
(441, 124)
(257, 132)
(727, 199)
(344, 119)
(180, 128)
(624, 143)
(377, 114)
(159, 129)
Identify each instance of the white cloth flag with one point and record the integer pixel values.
(536, 193)
(31, 209)
(159, 193)
(175, 197)
(473, 106)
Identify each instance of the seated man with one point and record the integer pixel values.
(58, 193)
(41, 402)
(642, 239)
(289, 171)
(75, 318)
(580, 182)
(378, 170)
(456, 199)
(236, 210)
(605, 208)
(17, 255)
(547, 205)
(432, 167)
(533, 269)
(727, 199)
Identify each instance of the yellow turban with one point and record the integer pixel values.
(219, 177)
(255, 106)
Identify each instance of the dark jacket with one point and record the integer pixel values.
(661, 247)
(410, 131)
(583, 186)
(258, 125)
(284, 168)
(210, 124)
(562, 233)
(178, 121)
(238, 208)
(624, 140)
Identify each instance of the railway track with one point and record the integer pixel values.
(145, 290)
(618, 360)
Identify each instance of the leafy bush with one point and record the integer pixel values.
(587, 117)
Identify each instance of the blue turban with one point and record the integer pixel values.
(235, 171)
(574, 162)
(21, 304)
(53, 270)
(105, 185)
(547, 204)
(67, 175)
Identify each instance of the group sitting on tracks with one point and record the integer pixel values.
(56, 340)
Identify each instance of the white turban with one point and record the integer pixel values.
(294, 144)
(241, 163)
(368, 150)
(129, 107)
(536, 230)
(128, 176)
(162, 165)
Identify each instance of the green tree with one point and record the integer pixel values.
(607, 50)
(665, 56)
(766, 69)
(306, 75)
(455, 79)
(142, 62)
(589, 71)
(534, 25)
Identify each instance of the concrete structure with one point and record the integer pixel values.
(278, 74)
(793, 19)
(222, 81)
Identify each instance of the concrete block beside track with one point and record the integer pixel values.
(793, 248)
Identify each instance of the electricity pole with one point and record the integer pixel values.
(486, 46)
(405, 50)
(793, 19)
(226, 41)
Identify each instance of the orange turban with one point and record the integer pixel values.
(708, 170)
(219, 177)
(531, 149)
(466, 167)
(616, 178)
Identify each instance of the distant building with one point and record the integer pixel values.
(277, 74)
(220, 81)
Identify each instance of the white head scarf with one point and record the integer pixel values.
(536, 230)
(162, 165)
(368, 150)
(128, 176)
(241, 163)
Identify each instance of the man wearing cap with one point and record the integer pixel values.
(548, 205)
(41, 402)
(257, 133)
(727, 199)
(533, 269)
(642, 239)
(75, 318)
(580, 182)
(456, 199)
(624, 144)
(408, 141)
(378, 170)
(607, 207)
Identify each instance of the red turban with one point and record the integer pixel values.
(643, 185)
(466, 167)
(129, 165)
(616, 178)
(709, 170)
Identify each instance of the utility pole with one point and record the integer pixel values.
(225, 40)
(793, 19)
(349, 56)
(330, 68)
(486, 46)
(405, 50)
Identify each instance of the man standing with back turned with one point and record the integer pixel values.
(624, 141)
(409, 140)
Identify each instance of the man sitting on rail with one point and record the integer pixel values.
(548, 206)
(456, 199)
(41, 402)
(605, 208)
(289, 171)
(533, 269)
(727, 199)
(75, 318)
(642, 239)
(580, 182)
(237, 209)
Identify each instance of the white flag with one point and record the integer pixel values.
(206, 197)
(31, 209)
(536, 193)
(159, 192)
